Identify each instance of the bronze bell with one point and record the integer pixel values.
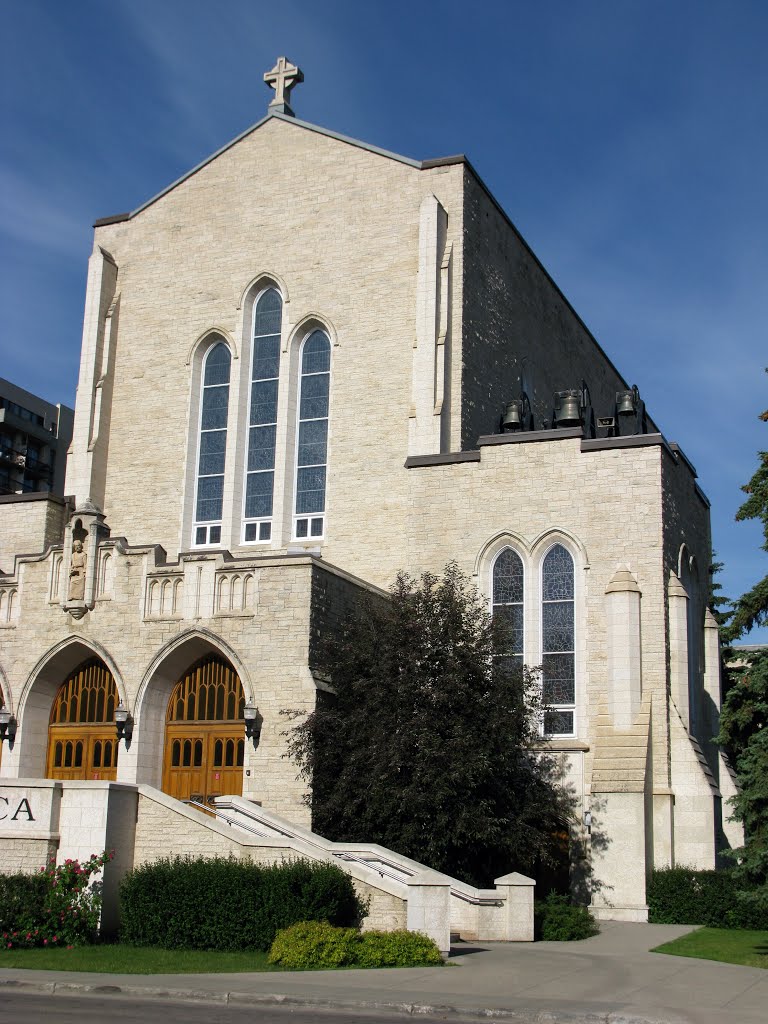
(513, 415)
(625, 403)
(568, 408)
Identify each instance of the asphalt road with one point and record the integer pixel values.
(33, 1008)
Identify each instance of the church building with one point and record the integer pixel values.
(309, 364)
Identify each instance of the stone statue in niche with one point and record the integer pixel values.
(77, 566)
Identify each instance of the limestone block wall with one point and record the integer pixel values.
(163, 829)
(504, 912)
(267, 641)
(387, 912)
(733, 831)
(688, 553)
(518, 325)
(45, 819)
(28, 524)
(531, 495)
(335, 596)
(166, 828)
(26, 856)
(339, 252)
(696, 802)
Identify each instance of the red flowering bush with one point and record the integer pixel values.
(68, 914)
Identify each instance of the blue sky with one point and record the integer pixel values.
(626, 140)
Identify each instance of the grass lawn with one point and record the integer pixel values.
(731, 945)
(117, 959)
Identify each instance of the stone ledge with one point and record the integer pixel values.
(530, 436)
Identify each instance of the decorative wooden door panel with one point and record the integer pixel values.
(205, 733)
(82, 742)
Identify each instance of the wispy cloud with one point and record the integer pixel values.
(31, 215)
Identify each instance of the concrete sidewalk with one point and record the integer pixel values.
(611, 977)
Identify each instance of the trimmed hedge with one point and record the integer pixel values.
(711, 898)
(310, 945)
(22, 899)
(226, 904)
(400, 948)
(556, 919)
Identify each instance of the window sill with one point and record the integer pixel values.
(562, 743)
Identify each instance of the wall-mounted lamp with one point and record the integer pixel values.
(123, 724)
(253, 723)
(588, 821)
(7, 727)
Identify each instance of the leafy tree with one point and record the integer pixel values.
(744, 716)
(427, 743)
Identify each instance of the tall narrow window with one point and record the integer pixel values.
(508, 601)
(214, 403)
(558, 642)
(312, 447)
(262, 428)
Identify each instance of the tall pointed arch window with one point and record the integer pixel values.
(212, 444)
(558, 642)
(509, 601)
(312, 446)
(262, 423)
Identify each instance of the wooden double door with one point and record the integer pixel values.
(82, 739)
(82, 752)
(205, 733)
(204, 745)
(203, 761)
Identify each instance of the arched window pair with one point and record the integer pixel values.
(311, 445)
(557, 633)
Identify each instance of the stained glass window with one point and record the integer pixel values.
(508, 600)
(558, 641)
(311, 452)
(262, 422)
(214, 401)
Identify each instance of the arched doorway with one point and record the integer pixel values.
(82, 743)
(205, 733)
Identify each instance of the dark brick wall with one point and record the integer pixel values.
(517, 325)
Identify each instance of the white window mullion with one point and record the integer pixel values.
(312, 437)
(558, 653)
(211, 447)
(508, 601)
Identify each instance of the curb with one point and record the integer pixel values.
(522, 1016)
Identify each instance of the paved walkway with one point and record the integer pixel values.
(611, 977)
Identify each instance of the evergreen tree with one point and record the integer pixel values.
(744, 715)
(427, 743)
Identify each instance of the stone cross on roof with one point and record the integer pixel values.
(282, 79)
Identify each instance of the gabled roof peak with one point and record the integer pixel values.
(274, 113)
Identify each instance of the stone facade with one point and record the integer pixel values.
(437, 313)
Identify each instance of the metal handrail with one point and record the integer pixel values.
(481, 901)
(230, 821)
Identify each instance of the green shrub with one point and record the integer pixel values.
(314, 944)
(712, 898)
(227, 904)
(57, 907)
(559, 920)
(396, 949)
(21, 897)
